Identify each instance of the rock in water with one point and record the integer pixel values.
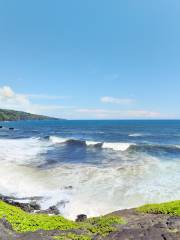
(81, 218)
(51, 210)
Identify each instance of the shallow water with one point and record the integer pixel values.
(91, 167)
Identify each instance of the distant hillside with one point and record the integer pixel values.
(11, 115)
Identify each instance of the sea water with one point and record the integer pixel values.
(91, 167)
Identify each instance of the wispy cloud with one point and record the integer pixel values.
(12, 100)
(118, 114)
(48, 97)
(9, 99)
(122, 101)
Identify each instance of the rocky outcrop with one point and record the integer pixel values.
(81, 218)
(137, 226)
(51, 210)
(142, 226)
(30, 206)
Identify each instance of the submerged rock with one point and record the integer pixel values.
(69, 187)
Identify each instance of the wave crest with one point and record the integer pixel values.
(56, 140)
(116, 146)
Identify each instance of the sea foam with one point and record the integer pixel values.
(56, 140)
(116, 146)
(95, 189)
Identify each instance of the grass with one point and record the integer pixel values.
(25, 222)
(170, 208)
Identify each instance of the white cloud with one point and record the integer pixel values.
(11, 100)
(118, 114)
(122, 101)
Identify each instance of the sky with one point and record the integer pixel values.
(91, 59)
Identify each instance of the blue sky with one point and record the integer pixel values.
(91, 59)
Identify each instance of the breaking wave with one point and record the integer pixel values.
(116, 146)
(88, 188)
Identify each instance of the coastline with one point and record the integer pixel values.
(54, 161)
(149, 222)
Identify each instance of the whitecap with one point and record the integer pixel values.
(117, 146)
(92, 143)
(56, 140)
(136, 135)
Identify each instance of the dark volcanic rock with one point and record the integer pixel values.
(68, 187)
(31, 206)
(139, 226)
(6, 224)
(27, 207)
(51, 210)
(146, 227)
(81, 218)
(173, 222)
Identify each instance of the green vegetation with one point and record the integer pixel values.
(103, 225)
(94, 226)
(11, 115)
(25, 222)
(171, 208)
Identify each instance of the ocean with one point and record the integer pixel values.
(91, 167)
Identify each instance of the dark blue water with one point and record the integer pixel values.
(107, 161)
(156, 131)
(155, 137)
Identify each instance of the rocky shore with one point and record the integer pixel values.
(150, 222)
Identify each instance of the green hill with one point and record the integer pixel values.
(11, 115)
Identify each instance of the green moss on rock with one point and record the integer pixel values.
(170, 208)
